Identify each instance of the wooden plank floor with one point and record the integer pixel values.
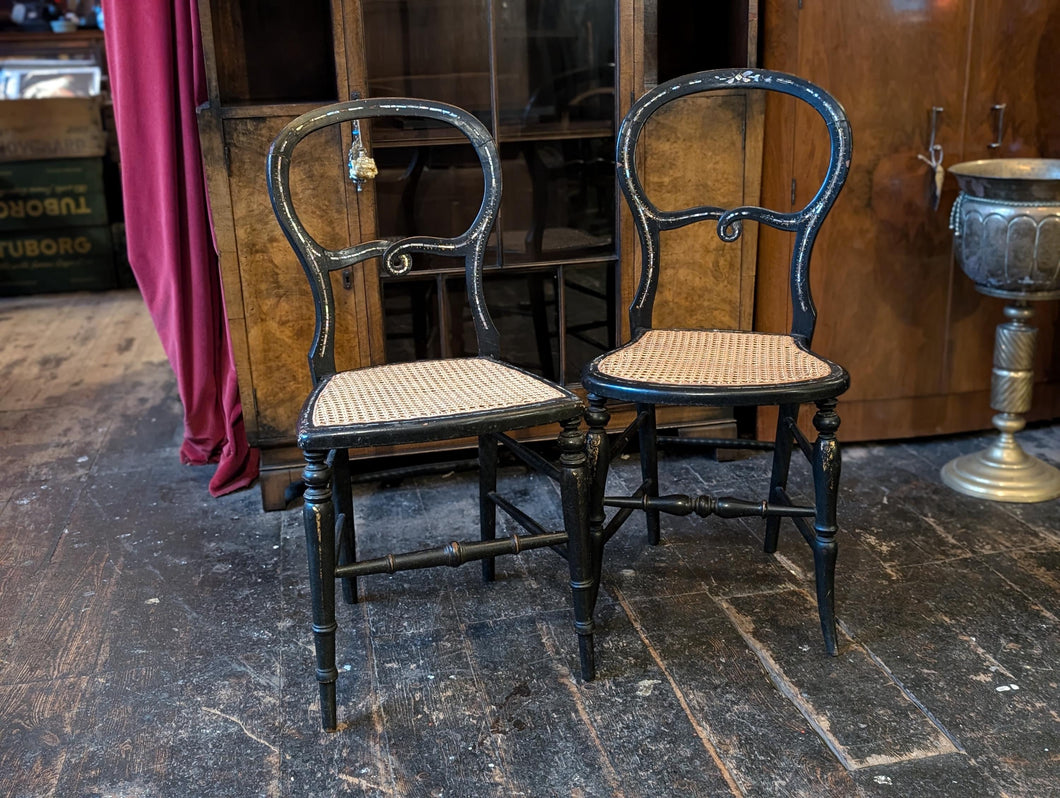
(155, 641)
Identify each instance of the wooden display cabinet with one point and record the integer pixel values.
(551, 80)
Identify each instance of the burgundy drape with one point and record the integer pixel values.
(154, 55)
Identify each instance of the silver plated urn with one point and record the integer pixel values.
(1006, 228)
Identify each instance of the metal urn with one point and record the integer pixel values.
(1006, 229)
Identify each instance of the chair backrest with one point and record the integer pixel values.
(395, 255)
(649, 220)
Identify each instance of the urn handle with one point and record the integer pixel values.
(955, 215)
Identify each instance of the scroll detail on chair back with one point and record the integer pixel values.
(725, 367)
(481, 397)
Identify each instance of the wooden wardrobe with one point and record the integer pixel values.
(894, 307)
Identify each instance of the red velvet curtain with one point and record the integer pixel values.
(154, 55)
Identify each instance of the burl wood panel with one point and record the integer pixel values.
(277, 303)
(694, 154)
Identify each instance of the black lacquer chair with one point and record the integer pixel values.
(725, 367)
(427, 400)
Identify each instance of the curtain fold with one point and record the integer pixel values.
(154, 57)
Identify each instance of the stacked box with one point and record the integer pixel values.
(56, 127)
(54, 234)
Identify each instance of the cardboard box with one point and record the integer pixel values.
(38, 195)
(66, 127)
(70, 259)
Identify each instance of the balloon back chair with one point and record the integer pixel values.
(725, 367)
(479, 397)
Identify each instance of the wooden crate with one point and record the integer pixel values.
(61, 127)
(59, 193)
(68, 259)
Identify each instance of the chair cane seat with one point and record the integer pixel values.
(713, 359)
(406, 395)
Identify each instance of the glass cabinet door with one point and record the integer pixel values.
(429, 49)
(540, 74)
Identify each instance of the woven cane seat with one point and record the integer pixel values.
(410, 394)
(711, 360)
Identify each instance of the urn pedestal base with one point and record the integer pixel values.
(1003, 472)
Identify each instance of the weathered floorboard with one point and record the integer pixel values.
(155, 641)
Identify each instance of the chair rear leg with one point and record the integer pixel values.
(598, 460)
(346, 536)
(318, 514)
(778, 481)
(574, 493)
(826, 468)
(649, 467)
(487, 510)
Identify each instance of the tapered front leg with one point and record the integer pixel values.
(574, 493)
(345, 533)
(826, 467)
(778, 481)
(649, 467)
(318, 513)
(598, 460)
(487, 510)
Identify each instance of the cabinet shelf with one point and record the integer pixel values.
(385, 137)
(543, 265)
(257, 110)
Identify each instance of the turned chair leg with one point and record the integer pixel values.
(345, 534)
(318, 513)
(778, 481)
(574, 492)
(487, 510)
(649, 467)
(826, 467)
(598, 460)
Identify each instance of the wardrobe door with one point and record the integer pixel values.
(881, 266)
(1013, 112)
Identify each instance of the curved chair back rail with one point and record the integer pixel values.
(318, 261)
(650, 221)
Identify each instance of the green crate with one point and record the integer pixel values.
(39, 195)
(45, 261)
